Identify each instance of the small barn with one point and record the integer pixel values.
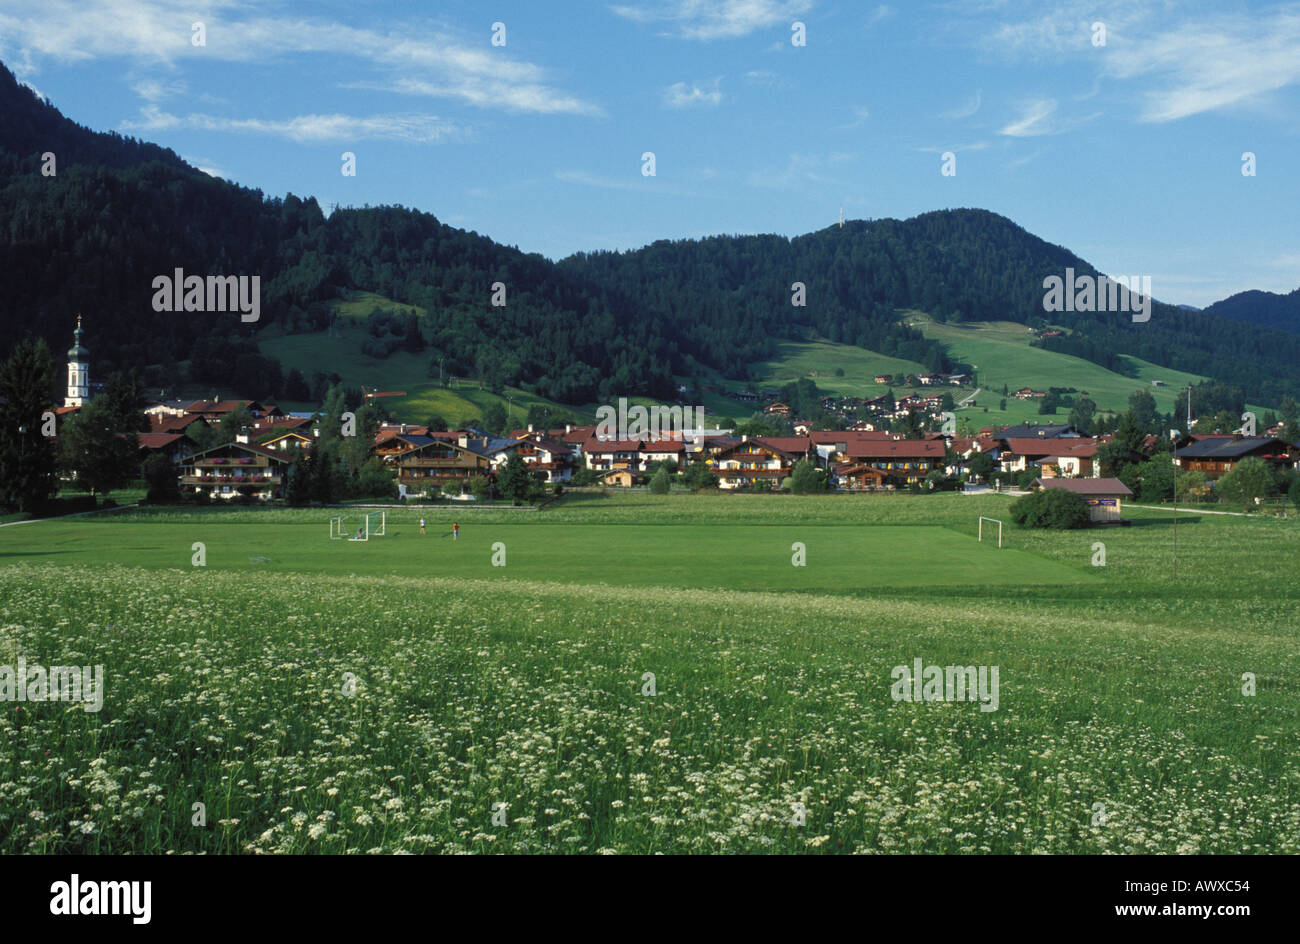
(1104, 497)
(620, 478)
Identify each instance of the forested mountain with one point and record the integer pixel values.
(92, 238)
(958, 265)
(1266, 309)
(119, 212)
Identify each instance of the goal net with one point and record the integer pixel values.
(336, 528)
(375, 522)
(992, 522)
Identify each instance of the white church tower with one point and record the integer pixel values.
(78, 371)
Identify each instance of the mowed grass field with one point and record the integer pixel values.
(838, 558)
(390, 696)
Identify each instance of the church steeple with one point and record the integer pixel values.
(78, 371)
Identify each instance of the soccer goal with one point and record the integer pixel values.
(336, 528)
(375, 522)
(992, 521)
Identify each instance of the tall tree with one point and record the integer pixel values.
(1290, 424)
(96, 451)
(27, 453)
(1081, 414)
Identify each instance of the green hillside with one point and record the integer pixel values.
(459, 403)
(821, 359)
(1001, 352)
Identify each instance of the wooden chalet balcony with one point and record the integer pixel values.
(434, 462)
(223, 479)
(752, 473)
(435, 475)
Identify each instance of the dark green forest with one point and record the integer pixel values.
(1266, 309)
(120, 212)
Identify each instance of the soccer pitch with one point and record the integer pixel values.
(835, 558)
(650, 674)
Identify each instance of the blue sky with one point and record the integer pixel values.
(1130, 153)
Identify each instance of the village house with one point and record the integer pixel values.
(1018, 453)
(830, 446)
(235, 470)
(177, 447)
(903, 461)
(1039, 430)
(426, 464)
(614, 455)
(742, 464)
(166, 407)
(288, 442)
(552, 460)
(1078, 460)
(1218, 455)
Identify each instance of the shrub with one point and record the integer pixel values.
(1193, 486)
(699, 476)
(161, 476)
(805, 477)
(659, 482)
(1050, 508)
(1249, 479)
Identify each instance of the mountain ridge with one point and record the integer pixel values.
(589, 326)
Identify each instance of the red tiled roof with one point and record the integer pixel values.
(1027, 446)
(1085, 450)
(216, 406)
(158, 440)
(796, 445)
(900, 448)
(613, 445)
(826, 437)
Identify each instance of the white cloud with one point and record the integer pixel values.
(681, 95)
(764, 77)
(974, 146)
(1214, 63)
(716, 19)
(1033, 120)
(490, 93)
(307, 129)
(799, 170)
(1178, 59)
(158, 34)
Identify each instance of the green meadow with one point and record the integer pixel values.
(652, 674)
